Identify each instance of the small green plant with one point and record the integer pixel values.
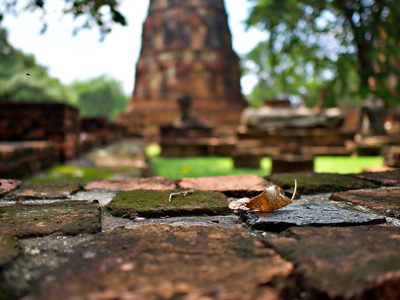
(184, 170)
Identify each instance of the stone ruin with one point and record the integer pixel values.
(290, 136)
(188, 137)
(35, 136)
(186, 49)
(273, 118)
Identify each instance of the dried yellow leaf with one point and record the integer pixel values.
(271, 199)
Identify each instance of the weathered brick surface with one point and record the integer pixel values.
(388, 178)
(167, 262)
(315, 210)
(60, 218)
(21, 159)
(8, 185)
(239, 185)
(101, 130)
(202, 257)
(128, 184)
(57, 122)
(344, 263)
(385, 201)
(150, 203)
(314, 183)
(44, 190)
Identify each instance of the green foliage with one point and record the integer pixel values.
(101, 96)
(22, 79)
(83, 174)
(102, 14)
(337, 51)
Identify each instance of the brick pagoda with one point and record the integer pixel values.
(186, 49)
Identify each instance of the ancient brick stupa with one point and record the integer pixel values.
(186, 50)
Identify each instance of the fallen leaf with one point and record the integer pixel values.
(239, 203)
(271, 199)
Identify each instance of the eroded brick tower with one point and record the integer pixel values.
(186, 49)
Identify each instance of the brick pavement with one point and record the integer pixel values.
(124, 239)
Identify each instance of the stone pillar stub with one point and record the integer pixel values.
(186, 49)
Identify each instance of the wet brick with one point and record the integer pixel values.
(168, 262)
(344, 263)
(385, 201)
(315, 210)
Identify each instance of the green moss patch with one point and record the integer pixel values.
(59, 218)
(150, 203)
(9, 249)
(314, 183)
(85, 174)
(381, 178)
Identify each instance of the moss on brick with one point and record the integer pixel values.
(61, 218)
(150, 203)
(314, 183)
(9, 249)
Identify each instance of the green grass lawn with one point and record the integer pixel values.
(346, 164)
(215, 166)
(203, 166)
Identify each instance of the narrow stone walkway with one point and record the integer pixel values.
(129, 239)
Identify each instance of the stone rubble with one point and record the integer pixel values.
(62, 241)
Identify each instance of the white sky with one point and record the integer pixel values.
(83, 56)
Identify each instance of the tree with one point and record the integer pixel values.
(101, 96)
(22, 79)
(102, 14)
(349, 47)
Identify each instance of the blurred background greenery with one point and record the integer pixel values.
(22, 79)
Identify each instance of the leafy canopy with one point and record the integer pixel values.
(330, 49)
(102, 14)
(23, 79)
(101, 96)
